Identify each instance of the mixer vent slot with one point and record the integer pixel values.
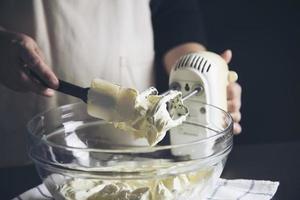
(194, 61)
(199, 64)
(203, 66)
(208, 67)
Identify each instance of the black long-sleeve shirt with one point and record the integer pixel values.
(176, 22)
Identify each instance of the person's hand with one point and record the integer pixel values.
(19, 54)
(234, 92)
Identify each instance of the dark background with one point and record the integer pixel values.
(265, 39)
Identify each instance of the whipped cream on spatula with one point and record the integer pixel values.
(145, 115)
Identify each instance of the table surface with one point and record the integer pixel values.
(277, 162)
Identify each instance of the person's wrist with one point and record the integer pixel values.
(175, 53)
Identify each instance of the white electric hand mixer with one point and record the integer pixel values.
(202, 78)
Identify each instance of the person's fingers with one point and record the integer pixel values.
(48, 92)
(39, 52)
(236, 116)
(38, 89)
(227, 55)
(35, 62)
(234, 91)
(237, 129)
(28, 84)
(233, 105)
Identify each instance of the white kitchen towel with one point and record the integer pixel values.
(239, 189)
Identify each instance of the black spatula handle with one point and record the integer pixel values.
(73, 90)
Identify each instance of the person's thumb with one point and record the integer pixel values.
(227, 55)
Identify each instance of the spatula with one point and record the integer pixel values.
(65, 87)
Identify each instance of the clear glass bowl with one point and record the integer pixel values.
(83, 158)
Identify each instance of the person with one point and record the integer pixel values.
(77, 41)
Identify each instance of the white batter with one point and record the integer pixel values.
(144, 115)
(176, 187)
